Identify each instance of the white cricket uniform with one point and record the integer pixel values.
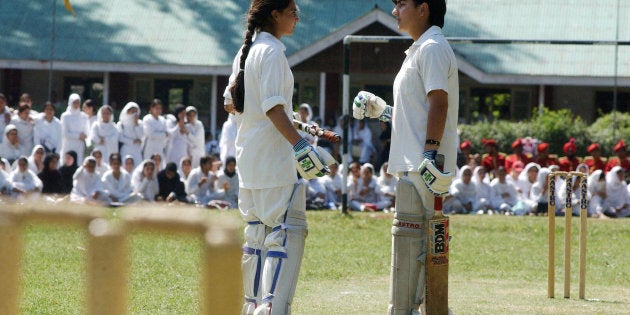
(73, 123)
(267, 179)
(48, 133)
(197, 141)
(108, 132)
(156, 139)
(430, 65)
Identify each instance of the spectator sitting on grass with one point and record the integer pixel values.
(617, 192)
(463, 194)
(483, 190)
(367, 196)
(504, 195)
(171, 187)
(539, 191)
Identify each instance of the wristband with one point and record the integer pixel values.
(432, 142)
(301, 144)
(430, 154)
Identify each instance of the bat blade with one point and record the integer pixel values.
(436, 302)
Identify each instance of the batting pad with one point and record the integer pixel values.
(251, 264)
(408, 242)
(285, 246)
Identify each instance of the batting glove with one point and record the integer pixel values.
(369, 105)
(308, 162)
(436, 181)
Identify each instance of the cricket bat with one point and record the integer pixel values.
(436, 301)
(316, 131)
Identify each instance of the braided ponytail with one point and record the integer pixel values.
(258, 17)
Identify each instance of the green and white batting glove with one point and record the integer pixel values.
(436, 181)
(308, 162)
(368, 105)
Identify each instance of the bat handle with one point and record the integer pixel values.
(437, 202)
(328, 135)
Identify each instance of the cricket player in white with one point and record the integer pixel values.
(268, 149)
(424, 124)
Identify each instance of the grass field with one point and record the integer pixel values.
(498, 266)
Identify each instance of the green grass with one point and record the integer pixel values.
(498, 265)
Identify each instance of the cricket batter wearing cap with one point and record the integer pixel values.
(424, 124)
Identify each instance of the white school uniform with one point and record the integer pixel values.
(85, 185)
(73, 123)
(128, 132)
(7, 150)
(156, 136)
(178, 146)
(227, 143)
(145, 187)
(430, 65)
(25, 130)
(197, 141)
(204, 193)
(106, 131)
(48, 133)
(3, 123)
(118, 188)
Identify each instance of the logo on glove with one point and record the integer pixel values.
(427, 176)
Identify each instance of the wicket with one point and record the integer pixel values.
(108, 256)
(551, 181)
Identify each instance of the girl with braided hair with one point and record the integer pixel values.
(268, 148)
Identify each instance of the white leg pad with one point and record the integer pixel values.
(408, 242)
(285, 248)
(251, 265)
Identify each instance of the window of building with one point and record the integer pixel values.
(604, 102)
(490, 104)
(87, 88)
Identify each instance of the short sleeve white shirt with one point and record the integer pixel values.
(264, 157)
(430, 65)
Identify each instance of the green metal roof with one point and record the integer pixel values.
(542, 19)
(182, 32)
(208, 33)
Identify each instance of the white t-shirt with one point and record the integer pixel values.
(430, 65)
(48, 133)
(264, 157)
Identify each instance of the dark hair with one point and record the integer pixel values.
(437, 10)
(49, 158)
(155, 102)
(205, 159)
(89, 103)
(258, 17)
(115, 157)
(178, 109)
(49, 104)
(23, 107)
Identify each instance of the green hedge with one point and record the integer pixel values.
(553, 127)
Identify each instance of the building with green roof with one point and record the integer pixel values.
(181, 52)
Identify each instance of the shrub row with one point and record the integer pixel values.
(553, 127)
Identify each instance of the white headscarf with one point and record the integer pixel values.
(73, 97)
(128, 120)
(616, 190)
(105, 128)
(31, 159)
(594, 184)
